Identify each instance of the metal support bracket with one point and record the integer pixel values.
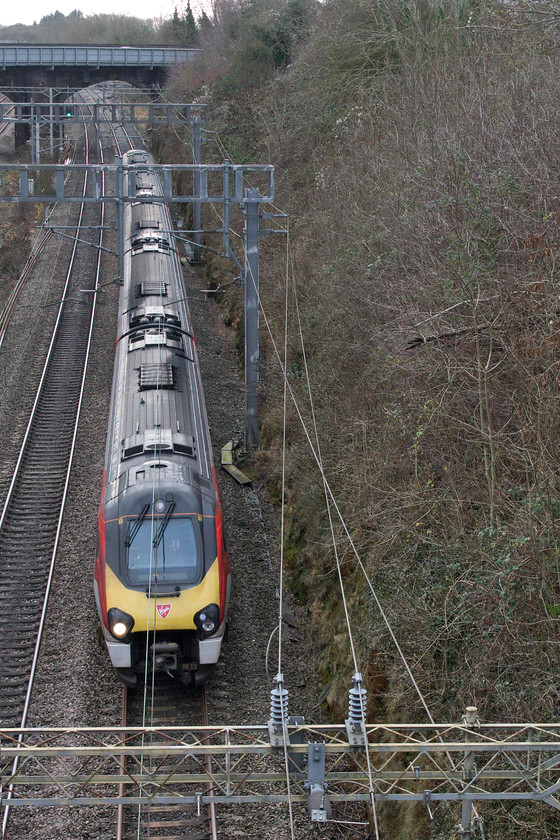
(84, 241)
(252, 301)
(427, 798)
(276, 735)
(318, 802)
(355, 734)
(296, 759)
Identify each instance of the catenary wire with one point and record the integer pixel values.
(334, 544)
(282, 523)
(346, 530)
(332, 501)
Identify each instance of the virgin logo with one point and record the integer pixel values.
(163, 609)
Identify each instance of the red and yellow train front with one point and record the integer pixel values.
(162, 586)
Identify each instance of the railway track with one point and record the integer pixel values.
(160, 706)
(30, 524)
(31, 518)
(32, 260)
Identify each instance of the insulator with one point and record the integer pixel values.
(278, 702)
(357, 704)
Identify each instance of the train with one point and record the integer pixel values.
(162, 575)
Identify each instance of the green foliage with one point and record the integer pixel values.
(264, 35)
(182, 30)
(55, 17)
(204, 23)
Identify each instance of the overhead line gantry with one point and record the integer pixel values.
(410, 763)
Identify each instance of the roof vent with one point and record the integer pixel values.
(151, 287)
(159, 441)
(143, 181)
(145, 224)
(150, 243)
(184, 444)
(156, 375)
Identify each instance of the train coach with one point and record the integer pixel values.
(162, 577)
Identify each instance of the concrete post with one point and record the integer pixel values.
(196, 143)
(251, 237)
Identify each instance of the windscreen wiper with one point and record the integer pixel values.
(134, 527)
(163, 524)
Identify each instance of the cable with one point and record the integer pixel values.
(285, 738)
(335, 548)
(345, 527)
(151, 613)
(330, 500)
(283, 492)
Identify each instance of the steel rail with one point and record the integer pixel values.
(45, 369)
(9, 307)
(212, 816)
(42, 238)
(69, 461)
(168, 809)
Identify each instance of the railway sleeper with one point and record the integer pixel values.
(25, 617)
(12, 681)
(10, 701)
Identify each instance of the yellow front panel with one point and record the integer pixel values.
(181, 609)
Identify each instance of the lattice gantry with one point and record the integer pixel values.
(57, 766)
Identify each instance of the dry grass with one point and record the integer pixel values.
(417, 149)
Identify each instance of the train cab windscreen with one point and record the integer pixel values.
(163, 551)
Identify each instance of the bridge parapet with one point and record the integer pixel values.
(52, 56)
(81, 65)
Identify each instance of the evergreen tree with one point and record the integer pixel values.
(176, 28)
(191, 32)
(204, 23)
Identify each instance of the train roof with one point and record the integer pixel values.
(158, 410)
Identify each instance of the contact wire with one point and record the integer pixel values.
(282, 525)
(336, 554)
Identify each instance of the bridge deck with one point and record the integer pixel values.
(93, 56)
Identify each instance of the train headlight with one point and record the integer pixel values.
(207, 620)
(120, 623)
